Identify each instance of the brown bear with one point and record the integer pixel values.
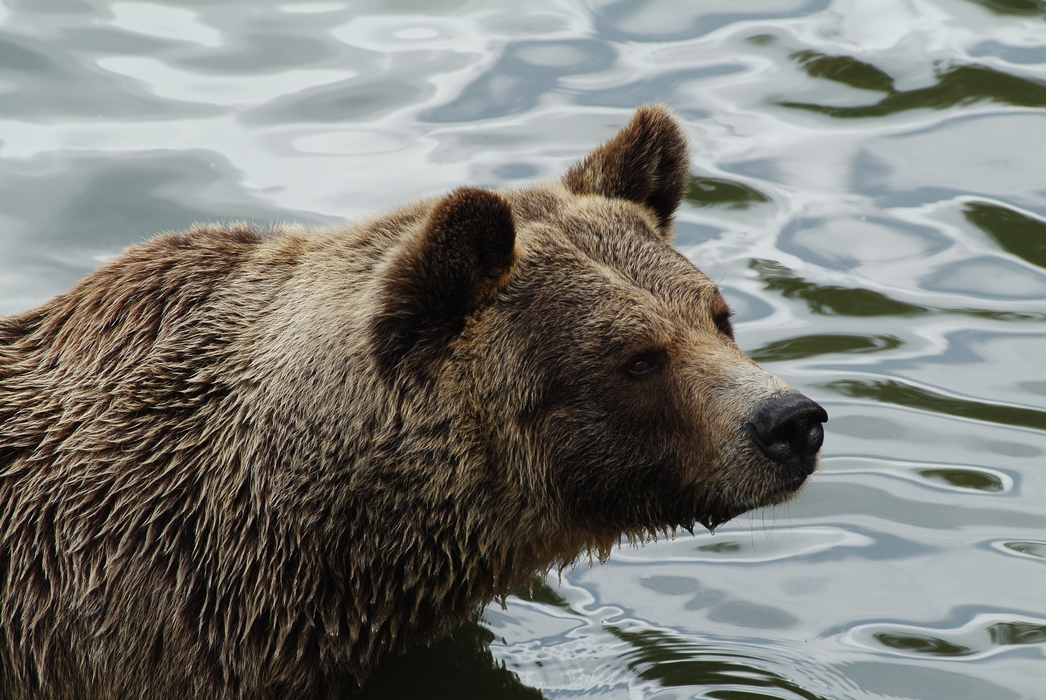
(236, 465)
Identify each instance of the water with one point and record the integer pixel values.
(868, 189)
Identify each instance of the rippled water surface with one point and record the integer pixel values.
(869, 187)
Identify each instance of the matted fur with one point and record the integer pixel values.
(236, 465)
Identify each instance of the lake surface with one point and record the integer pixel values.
(869, 189)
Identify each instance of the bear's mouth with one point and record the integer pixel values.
(710, 521)
(725, 504)
(710, 511)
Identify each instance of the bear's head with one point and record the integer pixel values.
(597, 364)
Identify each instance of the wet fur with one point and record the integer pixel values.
(236, 465)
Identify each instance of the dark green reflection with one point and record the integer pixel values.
(537, 591)
(844, 69)
(812, 345)
(829, 299)
(458, 666)
(964, 478)
(761, 39)
(1021, 8)
(1007, 633)
(955, 85)
(890, 391)
(848, 301)
(713, 191)
(657, 656)
(922, 644)
(720, 547)
(1015, 233)
(998, 315)
(1035, 549)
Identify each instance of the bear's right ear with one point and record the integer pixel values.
(434, 282)
(647, 162)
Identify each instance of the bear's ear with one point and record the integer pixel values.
(647, 162)
(464, 254)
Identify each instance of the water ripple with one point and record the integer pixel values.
(983, 636)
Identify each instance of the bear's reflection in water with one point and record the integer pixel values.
(456, 666)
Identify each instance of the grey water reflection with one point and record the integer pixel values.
(867, 189)
(524, 72)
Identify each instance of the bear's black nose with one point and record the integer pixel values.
(788, 429)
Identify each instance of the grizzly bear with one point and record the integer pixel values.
(246, 465)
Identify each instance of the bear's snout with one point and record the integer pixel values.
(788, 430)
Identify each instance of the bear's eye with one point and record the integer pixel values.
(641, 366)
(722, 323)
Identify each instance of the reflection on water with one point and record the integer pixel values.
(965, 478)
(891, 391)
(955, 85)
(712, 191)
(812, 345)
(1031, 549)
(456, 667)
(983, 636)
(1016, 233)
(1025, 8)
(829, 299)
(867, 189)
(672, 662)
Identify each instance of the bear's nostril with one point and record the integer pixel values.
(788, 428)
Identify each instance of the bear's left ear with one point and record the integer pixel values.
(647, 162)
(464, 254)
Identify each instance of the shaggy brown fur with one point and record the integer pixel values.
(246, 466)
